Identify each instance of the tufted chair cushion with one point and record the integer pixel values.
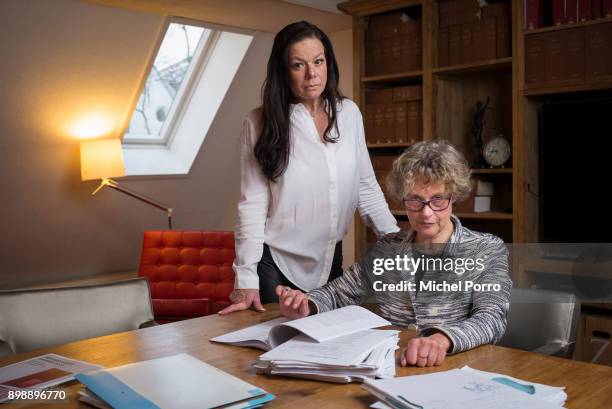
(189, 272)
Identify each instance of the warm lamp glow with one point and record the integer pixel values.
(101, 159)
(92, 126)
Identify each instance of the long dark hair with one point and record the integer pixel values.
(273, 148)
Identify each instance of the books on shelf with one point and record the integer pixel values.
(394, 115)
(177, 381)
(393, 44)
(463, 388)
(466, 34)
(335, 346)
(39, 373)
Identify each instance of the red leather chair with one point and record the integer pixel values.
(189, 272)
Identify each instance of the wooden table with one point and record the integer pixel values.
(588, 386)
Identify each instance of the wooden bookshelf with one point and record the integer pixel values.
(474, 67)
(404, 76)
(588, 23)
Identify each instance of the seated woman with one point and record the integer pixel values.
(449, 281)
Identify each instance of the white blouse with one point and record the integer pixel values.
(310, 207)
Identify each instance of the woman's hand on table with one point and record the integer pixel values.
(243, 299)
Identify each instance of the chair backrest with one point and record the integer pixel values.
(39, 318)
(542, 321)
(188, 264)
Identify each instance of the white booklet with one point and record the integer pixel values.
(177, 381)
(39, 373)
(320, 327)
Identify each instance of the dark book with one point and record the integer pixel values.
(401, 127)
(411, 53)
(534, 14)
(574, 44)
(571, 11)
(373, 58)
(413, 117)
(598, 50)
(596, 8)
(496, 10)
(385, 57)
(555, 56)
(534, 58)
(585, 10)
(476, 44)
(558, 12)
(395, 65)
(458, 5)
(379, 123)
(454, 45)
(381, 96)
(389, 135)
(385, 25)
(443, 47)
(489, 39)
(606, 8)
(408, 93)
(382, 162)
(504, 39)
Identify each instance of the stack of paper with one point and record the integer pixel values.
(336, 346)
(178, 381)
(39, 373)
(350, 358)
(463, 389)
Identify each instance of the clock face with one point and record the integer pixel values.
(497, 151)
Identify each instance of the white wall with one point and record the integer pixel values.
(65, 58)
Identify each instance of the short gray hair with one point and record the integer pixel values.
(430, 162)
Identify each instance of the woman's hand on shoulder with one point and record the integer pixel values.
(243, 299)
(293, 303)
(425, 351)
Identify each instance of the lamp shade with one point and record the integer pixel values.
(101, 159)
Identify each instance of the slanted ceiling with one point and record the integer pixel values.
(263, 15)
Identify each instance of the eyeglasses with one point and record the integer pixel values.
(437, 204)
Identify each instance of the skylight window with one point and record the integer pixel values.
(190, 74)
(180, 52)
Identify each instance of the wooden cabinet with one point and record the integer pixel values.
(456, 54)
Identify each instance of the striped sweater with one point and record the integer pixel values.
(469, 308)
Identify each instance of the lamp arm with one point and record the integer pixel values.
(114, 185)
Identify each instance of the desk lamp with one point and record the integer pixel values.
(103, 159)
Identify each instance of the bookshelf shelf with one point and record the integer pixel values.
(569, 26)
(588, 84)
(489, 65)
(483, 215)
(491, 171)
(388, 145)
(402, 76)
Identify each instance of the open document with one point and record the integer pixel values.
(319, 327)
(463, 389)
(39, 373)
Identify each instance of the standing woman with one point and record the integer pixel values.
(305, 169)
